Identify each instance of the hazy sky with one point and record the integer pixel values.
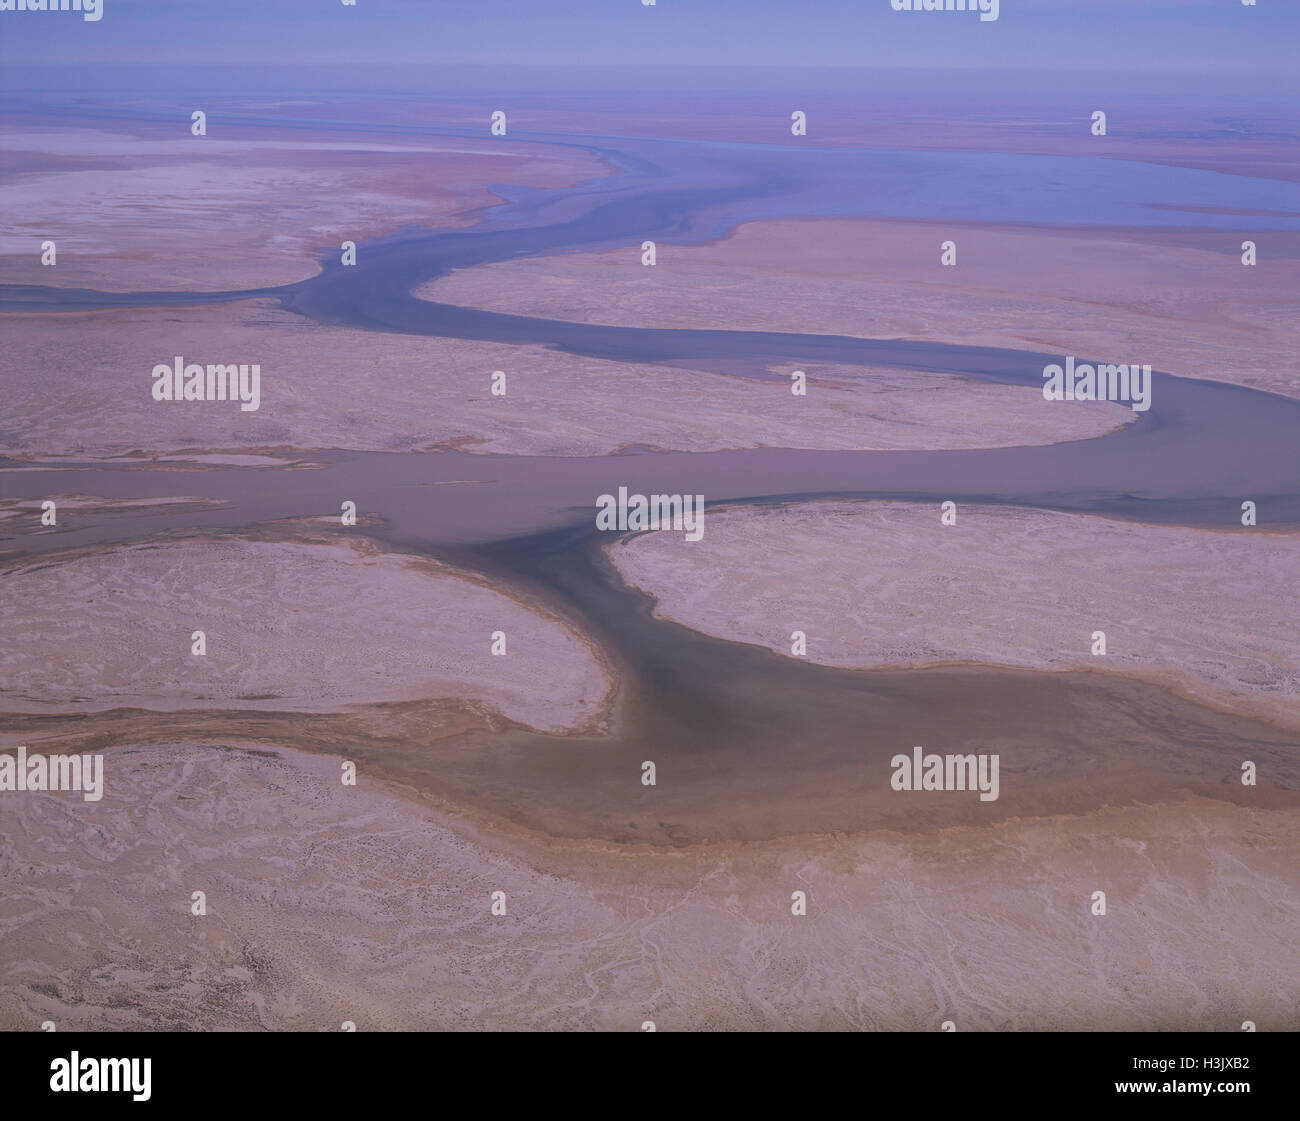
(1190, 37)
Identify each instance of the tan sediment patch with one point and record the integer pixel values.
(328, 903)
(1181, 302)
(33, 507)
(289, 627)
(330, 387)
(1199, 611)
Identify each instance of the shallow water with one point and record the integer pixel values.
(749, 744)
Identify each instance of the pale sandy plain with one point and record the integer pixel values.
(80, 385)
(152, 208)
(289, 626)
(1208, 613)
(1181, 302)
(328, 903)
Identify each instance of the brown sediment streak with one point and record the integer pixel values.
(464, 758)
(748, 745)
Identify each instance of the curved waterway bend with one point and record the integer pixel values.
(1201, 449)
(748, 744)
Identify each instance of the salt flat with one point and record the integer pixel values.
(421, 393)
(305, 627)
(153, 208)
(328, 903)
(1182, 302)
